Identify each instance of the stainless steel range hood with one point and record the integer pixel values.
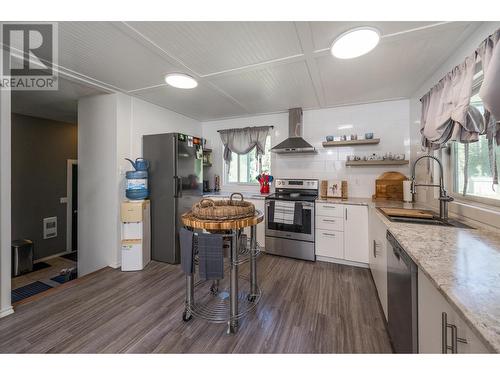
(294, 143)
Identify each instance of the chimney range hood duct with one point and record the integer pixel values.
(294, 144)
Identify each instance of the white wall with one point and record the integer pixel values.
(97, 189)
(429, 196)
(388, 120)
(5, 205)
(110, 129)
(148, 118)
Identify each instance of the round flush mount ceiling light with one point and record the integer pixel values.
(181, 81)
(355, 42)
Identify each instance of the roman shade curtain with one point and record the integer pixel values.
(445, 107)
(446, 112)
(243, 140)
(489, 53)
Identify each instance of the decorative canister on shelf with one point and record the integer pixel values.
(264, 181)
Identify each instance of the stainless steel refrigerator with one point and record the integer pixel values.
(175, 184)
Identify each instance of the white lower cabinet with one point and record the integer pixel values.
(356, 233)
(432, 332)
(378, 256)
(329, 244)
(342, 233)
(261, 227)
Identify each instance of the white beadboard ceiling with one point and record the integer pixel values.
(246, 68)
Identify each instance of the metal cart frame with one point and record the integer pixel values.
(237, 256)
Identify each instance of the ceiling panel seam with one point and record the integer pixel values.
(304, 34)
(312, 108)
(322, 50)
(178, 61)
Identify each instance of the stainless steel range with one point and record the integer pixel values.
(290, 218)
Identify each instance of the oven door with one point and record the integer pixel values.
(304, 232)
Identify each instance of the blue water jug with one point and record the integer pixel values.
(137, 181)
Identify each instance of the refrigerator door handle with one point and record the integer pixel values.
(177, 187)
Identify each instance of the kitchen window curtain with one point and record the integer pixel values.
(445, 107)
(446, 113)
(489, 52)
(243, 140)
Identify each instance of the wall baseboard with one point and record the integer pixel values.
(7, 311)
(53, 256)
(342, 261)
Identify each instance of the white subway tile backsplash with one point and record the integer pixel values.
(389, 121)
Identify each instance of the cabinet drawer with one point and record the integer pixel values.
(330, 223)
(330, 209)
(329, 243)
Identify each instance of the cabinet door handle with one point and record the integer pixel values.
(374, 248)
(346, 214)
(329, 234)
(329, 220)
(454, 336)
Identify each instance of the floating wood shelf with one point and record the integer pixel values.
(361, 163)
(354, 142)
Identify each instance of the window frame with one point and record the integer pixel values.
(225, 170)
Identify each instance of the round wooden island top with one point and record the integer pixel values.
(189, 220)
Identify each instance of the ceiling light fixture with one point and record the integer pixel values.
(355, 42)
(181, 81)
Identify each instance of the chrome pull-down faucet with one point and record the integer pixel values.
(444, 198)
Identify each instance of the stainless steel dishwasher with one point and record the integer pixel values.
(402, 298)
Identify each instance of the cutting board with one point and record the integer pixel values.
(389, 186)
(405, 212)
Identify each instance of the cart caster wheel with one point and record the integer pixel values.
(186, 317)
(232, 329)
(251, 298)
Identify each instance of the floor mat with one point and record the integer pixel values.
(61, 279)
(28, 291)
(40, 266)
(72, 256)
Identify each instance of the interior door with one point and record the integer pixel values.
(74, 207)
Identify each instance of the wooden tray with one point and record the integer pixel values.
(406, 212)
(189, 220)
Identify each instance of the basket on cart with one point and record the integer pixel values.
(209, 209)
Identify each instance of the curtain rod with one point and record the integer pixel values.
(270, 127)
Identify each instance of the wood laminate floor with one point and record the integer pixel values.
(305, 308)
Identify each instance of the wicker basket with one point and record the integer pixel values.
(208, 209)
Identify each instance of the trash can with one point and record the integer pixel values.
(22, 257)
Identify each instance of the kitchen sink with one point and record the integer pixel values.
(430, 219)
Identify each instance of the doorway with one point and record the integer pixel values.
(72, 208)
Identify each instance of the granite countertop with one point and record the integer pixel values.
(354, 201)
(227, 194)
(463, 264)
